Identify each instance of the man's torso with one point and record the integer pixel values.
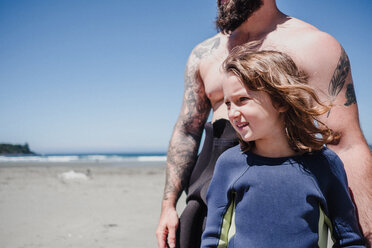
(292, 37)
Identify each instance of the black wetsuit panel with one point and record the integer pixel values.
(219, 136)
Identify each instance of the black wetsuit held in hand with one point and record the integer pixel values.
(219, 136)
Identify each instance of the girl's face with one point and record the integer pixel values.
(252, 113)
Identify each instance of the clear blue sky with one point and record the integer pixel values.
(107, 76)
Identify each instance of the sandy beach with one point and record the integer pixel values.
(80, 205)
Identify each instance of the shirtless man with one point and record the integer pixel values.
(315, 52)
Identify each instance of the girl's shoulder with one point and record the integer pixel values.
(322, 157)
(233, 157)
(326, 165)
(232, 154)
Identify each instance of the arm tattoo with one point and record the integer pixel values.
(206, 47)
(183, 148)
(180, 170)
(339, 77)
(350, 95)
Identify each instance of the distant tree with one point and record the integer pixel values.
(10, 149)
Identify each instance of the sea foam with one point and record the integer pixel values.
(102, 158)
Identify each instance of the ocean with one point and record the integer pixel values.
(87, 158)
(109, 158)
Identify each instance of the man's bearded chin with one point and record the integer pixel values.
(233, 13)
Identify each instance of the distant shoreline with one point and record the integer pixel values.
(15, 149)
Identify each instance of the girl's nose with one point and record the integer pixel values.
(234, 112)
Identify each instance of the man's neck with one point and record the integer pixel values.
(258, 25)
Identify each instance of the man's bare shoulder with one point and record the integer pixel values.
(208, 46)
(306, 41)
(206, 49)
(314, 51)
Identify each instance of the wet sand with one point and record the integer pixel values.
(85, 205)
(96, 205)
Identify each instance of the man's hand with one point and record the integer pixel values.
(167, 227)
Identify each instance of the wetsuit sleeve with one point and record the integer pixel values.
(346, 231)
(217, 202)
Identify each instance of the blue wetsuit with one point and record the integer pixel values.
(219, 136)
(256, 201)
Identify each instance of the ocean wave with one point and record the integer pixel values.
(84, 158)
(38, 158)
(152, 158)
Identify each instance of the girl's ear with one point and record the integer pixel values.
(282, 109)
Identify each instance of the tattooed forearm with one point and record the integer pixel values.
(182, 159)
(185, 141)
(339, 75)
(182, 153)
(350, 95)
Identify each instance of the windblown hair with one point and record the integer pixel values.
(276, 74)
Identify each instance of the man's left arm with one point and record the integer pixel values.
(343, 119)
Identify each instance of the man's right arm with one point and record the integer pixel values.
(184, 144)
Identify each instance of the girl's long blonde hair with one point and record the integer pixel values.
(276, 74)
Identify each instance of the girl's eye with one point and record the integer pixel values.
(243, 99)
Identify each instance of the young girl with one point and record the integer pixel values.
(281, 187)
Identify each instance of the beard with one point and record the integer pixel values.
(233, 13)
